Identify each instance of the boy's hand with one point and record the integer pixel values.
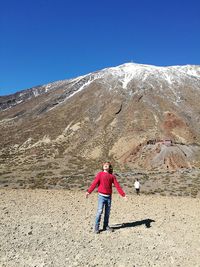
(87, 194)
(125, 198)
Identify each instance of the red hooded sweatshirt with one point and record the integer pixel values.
(104, 180)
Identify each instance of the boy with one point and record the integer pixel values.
(104, 180)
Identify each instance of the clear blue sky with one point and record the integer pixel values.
(47, 40)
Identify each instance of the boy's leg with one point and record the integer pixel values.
(107, 213)
(99, 212)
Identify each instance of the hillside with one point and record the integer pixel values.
(143, 118)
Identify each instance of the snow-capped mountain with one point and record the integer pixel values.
(115, 77)
(124, 113)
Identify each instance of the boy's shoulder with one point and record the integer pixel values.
(99, 173)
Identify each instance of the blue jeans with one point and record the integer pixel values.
(103, 202)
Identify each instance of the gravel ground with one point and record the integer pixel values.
(55, 228)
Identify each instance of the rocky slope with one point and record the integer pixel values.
(143, 118)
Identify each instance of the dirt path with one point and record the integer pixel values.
(55, 228)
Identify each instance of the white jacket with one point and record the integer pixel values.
(137, 185)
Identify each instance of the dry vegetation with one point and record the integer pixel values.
(75, 175)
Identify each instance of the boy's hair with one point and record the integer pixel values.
(110, 166)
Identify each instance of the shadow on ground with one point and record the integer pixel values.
(146, 222)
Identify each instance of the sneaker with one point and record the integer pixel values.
(96, 231)
(108, 228)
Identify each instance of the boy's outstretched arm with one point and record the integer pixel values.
(93, 185)
(118, 187)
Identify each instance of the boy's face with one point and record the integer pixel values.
(106, 166)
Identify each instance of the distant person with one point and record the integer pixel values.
(137, 186)
(104, 181)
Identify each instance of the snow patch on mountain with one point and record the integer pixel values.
(130, 71)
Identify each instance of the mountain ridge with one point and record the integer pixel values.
(129, 68)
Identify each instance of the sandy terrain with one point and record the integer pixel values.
(55, 228)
